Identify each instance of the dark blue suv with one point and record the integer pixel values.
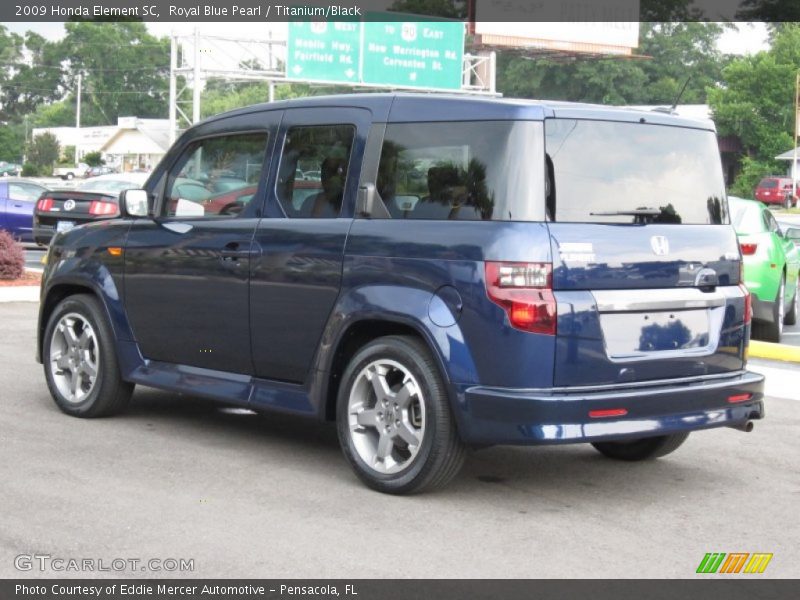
(433, 273)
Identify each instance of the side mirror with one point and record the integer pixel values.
(792, 233)
(134, 203)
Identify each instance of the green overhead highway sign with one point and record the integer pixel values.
(427, 54)
(324, 51)
(417, 54)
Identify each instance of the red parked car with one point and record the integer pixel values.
(776, 190)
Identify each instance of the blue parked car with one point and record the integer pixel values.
(17, 200)
(561, 273)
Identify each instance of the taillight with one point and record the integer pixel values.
(45, 204)
(98, 207)
(524, 290)
(748, 249)
(748, 304)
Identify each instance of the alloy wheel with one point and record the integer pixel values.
(386, 416)
(74, 357)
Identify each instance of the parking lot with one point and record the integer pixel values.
(271, 496)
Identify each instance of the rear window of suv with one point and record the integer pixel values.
(768, 183)
(614, 172)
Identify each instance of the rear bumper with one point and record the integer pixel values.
(507, 416)
(42, 234)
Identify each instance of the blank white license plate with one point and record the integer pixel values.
(64, 225)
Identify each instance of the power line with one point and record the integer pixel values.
(30, 89)
(93, 69)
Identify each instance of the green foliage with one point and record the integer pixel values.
(752, 172)
(134, 82)
(67, 156)
(32, 170)
(677, 50)
(94, 159)
(12, 139)
(43, 151)
(755, 101)
(12, 259)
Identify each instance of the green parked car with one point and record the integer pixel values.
(771, 264)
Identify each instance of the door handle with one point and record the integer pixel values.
(233, 251)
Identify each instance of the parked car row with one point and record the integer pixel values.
(34, 213)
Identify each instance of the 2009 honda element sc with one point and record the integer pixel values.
(463, 272)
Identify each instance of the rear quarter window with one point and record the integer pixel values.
(469, 170)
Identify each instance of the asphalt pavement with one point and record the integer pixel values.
(242, 494)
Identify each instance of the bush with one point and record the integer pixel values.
(12, 259)
(94, 159)
(30, 170)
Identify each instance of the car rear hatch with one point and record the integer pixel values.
(645, 266)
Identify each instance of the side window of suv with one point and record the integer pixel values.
(313, 170)
(216, 177)
(470, 170)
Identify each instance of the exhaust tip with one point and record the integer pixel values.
(746, 426)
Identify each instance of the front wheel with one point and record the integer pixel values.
(394, 420)
(80, 363)
(641, 449)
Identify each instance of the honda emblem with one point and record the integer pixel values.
(660, 245)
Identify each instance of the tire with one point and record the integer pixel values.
(791, 316)
(69, 176)
(641, 449)
(69, 377)
(392, 393)
(772, 331)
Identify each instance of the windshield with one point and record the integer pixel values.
(746, 216)
(611, 172)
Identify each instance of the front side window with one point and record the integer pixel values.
(613, 172)
(313, 170)
(471, 170)
(216, 177)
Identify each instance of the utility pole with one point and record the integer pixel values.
(173, 87)
(78, 119)
(196, 79)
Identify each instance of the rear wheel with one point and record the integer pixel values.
(394, 420)
(641, 449)
(773, 330)
(80, 363)
(791, 316)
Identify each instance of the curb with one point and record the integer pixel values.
(774, 351)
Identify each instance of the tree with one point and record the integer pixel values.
(43, 151)
(677, 50)
(135, 82)
(755, 102)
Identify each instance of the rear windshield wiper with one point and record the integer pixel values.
(639, 212)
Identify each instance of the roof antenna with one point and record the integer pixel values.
(678, 99)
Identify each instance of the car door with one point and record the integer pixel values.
(187, 270)
(21, 199)
(296, 279)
